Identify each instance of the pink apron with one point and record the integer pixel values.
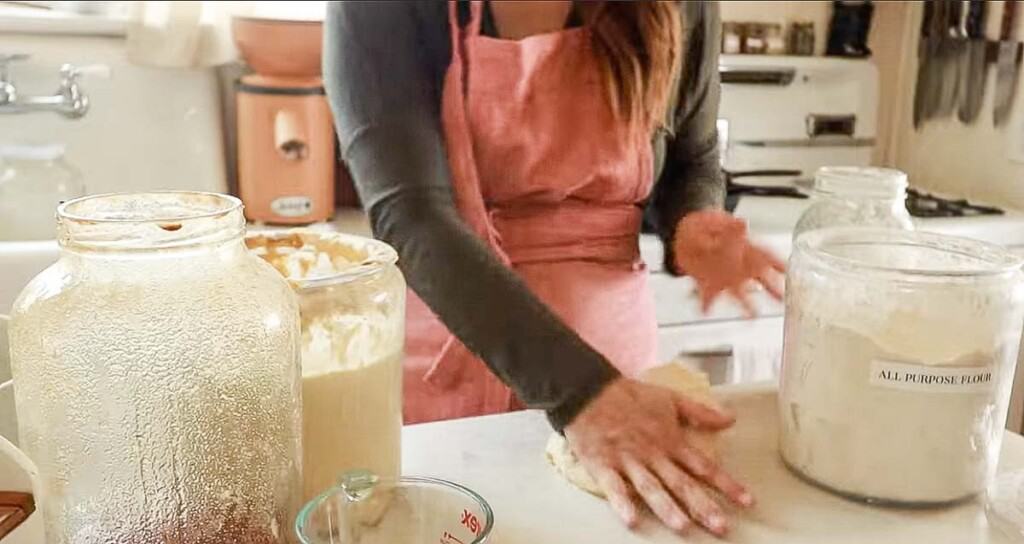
(544, 172)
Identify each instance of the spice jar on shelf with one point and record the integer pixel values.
(800, 38)
(732, 38)
(775, 44)
(755, 40)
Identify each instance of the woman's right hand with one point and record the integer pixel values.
(630, 438)
(712, 247)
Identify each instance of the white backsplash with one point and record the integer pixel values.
(147, 128)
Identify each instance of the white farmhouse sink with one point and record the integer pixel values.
(8, 417)
(19, 263)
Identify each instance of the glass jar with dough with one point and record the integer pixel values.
(352, 305)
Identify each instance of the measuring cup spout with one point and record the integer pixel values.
(357, 485)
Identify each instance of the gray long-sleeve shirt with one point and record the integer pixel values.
(384, 65)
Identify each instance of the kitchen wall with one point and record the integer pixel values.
(157, 128)
(148, 128)
(978, 161)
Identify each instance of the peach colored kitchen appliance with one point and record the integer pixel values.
(287, 161)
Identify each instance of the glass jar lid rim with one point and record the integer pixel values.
(993, 259)
(872, 181)
(219, 205)
(377, 254)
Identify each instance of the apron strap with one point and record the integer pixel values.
(455, 359)
(476, 10)
(465, 179)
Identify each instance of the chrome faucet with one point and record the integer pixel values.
(69, 100)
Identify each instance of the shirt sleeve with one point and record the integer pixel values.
(381, 66)
(692, 178)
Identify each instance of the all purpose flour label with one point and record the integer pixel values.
(932, 379)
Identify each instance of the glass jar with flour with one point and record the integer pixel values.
(899, 356)
(352, 307)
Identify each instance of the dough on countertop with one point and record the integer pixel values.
(672, 375)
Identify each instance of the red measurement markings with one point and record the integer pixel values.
(470, 522)
(448, 538)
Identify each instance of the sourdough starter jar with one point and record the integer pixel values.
(352, 303)
(157, 378)
(899, 355)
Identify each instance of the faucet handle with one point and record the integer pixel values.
(70, 73)
(76, 102)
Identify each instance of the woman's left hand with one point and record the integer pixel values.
(712, 247)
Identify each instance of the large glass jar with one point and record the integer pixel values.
(34, 179)
(157, 378)
(352, 303)
(899, 356)
(856, 196)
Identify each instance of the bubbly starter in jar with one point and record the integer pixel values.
(349, 405)
(351, 359)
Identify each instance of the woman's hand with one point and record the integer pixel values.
(712, 247)
(630, 438)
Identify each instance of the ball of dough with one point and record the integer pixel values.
(674, 376)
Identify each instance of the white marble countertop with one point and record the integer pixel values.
(501, 457)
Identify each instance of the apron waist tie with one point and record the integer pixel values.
(570, 231)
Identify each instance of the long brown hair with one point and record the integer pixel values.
(639, 45)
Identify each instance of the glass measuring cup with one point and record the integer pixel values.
(366, 509)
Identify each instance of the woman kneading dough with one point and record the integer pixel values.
(508, 151)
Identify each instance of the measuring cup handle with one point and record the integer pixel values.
(15, 508)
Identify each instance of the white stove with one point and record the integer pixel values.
(802, 113)
(796, 113)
